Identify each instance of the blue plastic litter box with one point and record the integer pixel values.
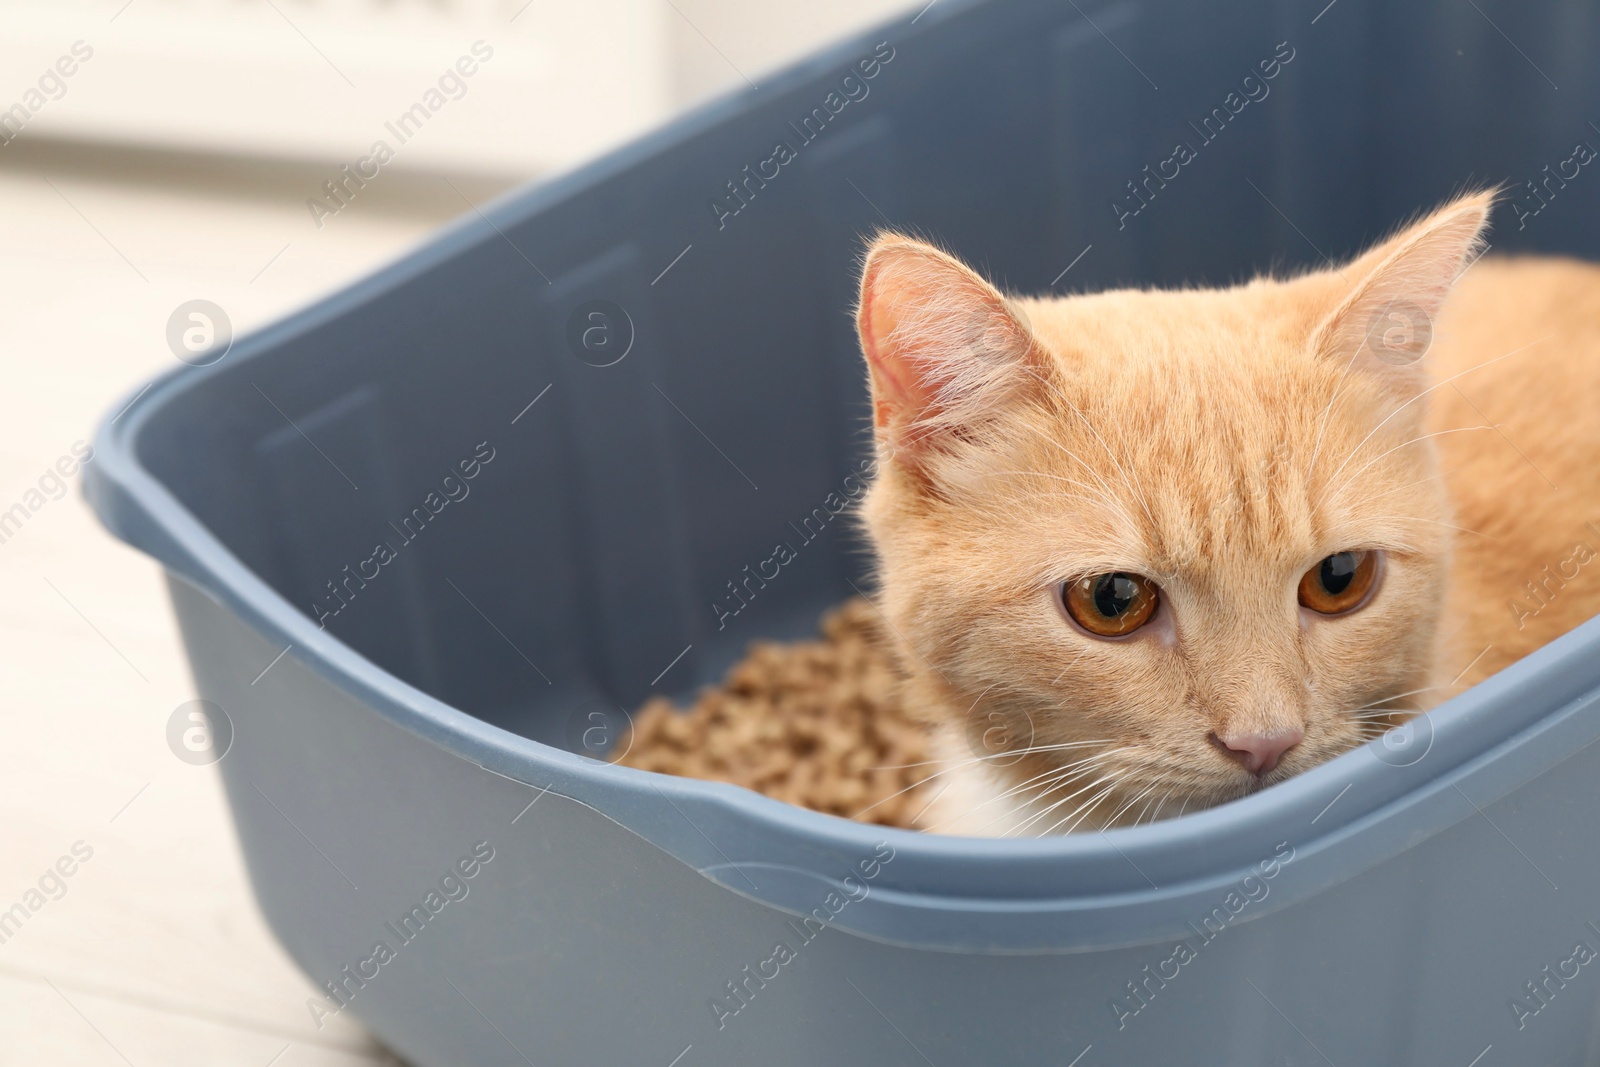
(571, 421)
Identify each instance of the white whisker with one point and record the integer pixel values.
(1053, 777)
(1087, 810)
(1113, 778)
(931, 802)
(1007, 753)
(1357, 472)
(1422, 394)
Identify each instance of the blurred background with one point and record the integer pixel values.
(159, 152)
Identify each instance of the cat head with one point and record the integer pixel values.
(1148, 551)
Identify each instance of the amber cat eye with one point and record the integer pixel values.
(1339, 583)
(1110, 605)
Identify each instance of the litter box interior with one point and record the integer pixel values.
(444, 472)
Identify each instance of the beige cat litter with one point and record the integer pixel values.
(813, 723)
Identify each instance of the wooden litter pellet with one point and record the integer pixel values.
(813, 723)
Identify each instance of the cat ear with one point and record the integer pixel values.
(1385, 323)
(946, 352)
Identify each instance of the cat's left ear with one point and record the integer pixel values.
(1384, 323)
(946, 352)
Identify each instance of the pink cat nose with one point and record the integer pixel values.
(1259, 753)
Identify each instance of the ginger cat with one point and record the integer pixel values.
(1143, 552)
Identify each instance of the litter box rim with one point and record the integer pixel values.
(1128, 886)
(1075, 893)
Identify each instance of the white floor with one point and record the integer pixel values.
(154, 953)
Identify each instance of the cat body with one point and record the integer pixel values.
(1529, 487)
(1144, 552)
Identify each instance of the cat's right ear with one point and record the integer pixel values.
(947, 353)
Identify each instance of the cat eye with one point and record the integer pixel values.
(1340, 583)
(1110, 605)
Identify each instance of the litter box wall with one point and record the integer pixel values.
(581, 943)
(572, 506)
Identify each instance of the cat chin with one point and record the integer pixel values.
(976, 799)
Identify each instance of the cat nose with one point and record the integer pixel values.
(1259, 753)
